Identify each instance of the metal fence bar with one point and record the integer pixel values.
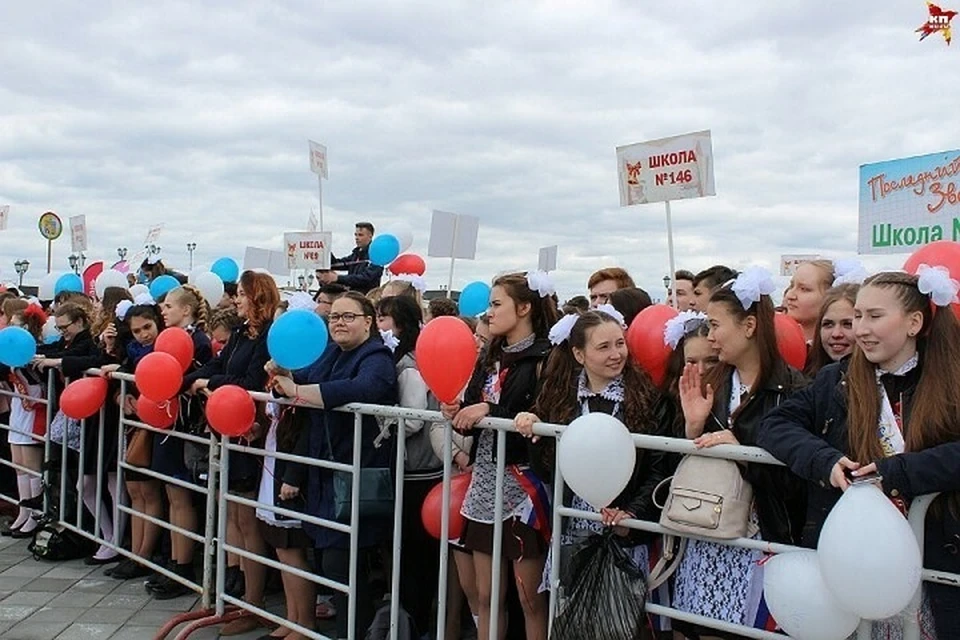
(398, 529)
(444, 578)
(497, 559)
(355, 527)
(222, 528)
(210, 525)
(47, 444)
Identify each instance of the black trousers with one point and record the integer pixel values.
(419, 558)
(335, 565)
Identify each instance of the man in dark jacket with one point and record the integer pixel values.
(362, 275)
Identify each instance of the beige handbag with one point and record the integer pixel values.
(708, 498)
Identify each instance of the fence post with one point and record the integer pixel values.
(496, 574)
(444, 577)
(222, 520)
(51, 392)
(917, 517)
(398, 530)
(354, 528)
(210, 551)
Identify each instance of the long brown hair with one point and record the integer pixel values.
(557, 400)
(108, 308)
(765, 337)
(818, 358)
(264, 297)
(543, 311)
(935, 405)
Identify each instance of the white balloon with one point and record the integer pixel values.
(800, 601)
(596, 456)
(139, 289)
(196, 272)
(48, 284)
(211, 286)
(109, 278)
(402, 232)
(869, 556)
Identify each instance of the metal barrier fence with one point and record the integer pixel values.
(218, 607)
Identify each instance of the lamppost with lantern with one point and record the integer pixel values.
(21, 267)
(152, 250)
(191, 247)
(666, 285)
(122, 253)
(75, 265)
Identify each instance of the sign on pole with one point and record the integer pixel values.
(909, 202)
(78, 233)
(274, 262)
(4, 214)
(548, 259)
(50, 228)
(672, 168)
(153, 234)
(306, 250)
(666, 169)
(318, 159)
(453, 236)
(790, 262)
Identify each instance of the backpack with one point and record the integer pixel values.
(54, 542)
(380, 627)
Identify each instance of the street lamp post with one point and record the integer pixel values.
(303, 282)
(666, 285)
(191, 247)
(122, 253)
(21, 267)
(74, 261)
(152, 250)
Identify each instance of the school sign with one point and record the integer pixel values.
(909, 202)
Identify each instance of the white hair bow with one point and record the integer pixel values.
(418, 282)
(680, 325)
(560, 331)
(144, 298)
(611, 311)
(301, 301)
(937, 283)
(390, 340)
(153, 259)
(541, 282)
(753, 283)
(849, 271)
(122, 308)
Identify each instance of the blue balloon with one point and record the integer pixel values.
(17, 346)
(68, 282)
(474, 299)
(227, 269)
(51, 339)
(162, 285)
(296, 339)
(384, 249)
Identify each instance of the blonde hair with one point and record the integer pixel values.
(189, 296)
(827, 273)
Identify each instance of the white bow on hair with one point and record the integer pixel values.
(680, 325)
(144, 298)
(751, 284)
(849, 271)
(301, 301)
(390, 340)
(122, 308)
(541, 282)
(561, 329)
(611, 311)
(936, 282)
(418, 282)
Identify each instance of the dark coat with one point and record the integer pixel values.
(808, 433)
(780, 497)
(518, 393)
(365, 374)
(362, 275)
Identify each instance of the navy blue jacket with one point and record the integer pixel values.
(808, 433)
(365, 374)
(362, 275)
(240, 362)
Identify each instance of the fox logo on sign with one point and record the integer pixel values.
(938, 22)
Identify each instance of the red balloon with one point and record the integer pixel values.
(791, 341)
(432, 510)
(159, 376)
(161, 415)
(82, 398)
(446, 353)
(231, 411)
(645, 340)
(178, 343)
(942, 253)
(407, 263)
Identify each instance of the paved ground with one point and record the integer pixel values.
(71, 601)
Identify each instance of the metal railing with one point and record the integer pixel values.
(218, 496)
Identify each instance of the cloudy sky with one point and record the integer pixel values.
(197, 115)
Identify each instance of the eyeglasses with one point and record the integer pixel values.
(346, 317)
(62, 328)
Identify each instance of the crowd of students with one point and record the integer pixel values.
(876, 396)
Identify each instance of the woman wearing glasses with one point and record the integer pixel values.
(356, 367)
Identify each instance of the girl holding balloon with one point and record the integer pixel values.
(890, 409)
(143, 324)
(241, 363)
(590, 371)
(504, 383)
(182, 308)
(725, 406)
(27, 418)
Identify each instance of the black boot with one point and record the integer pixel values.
(235, 585)
(168, 589)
